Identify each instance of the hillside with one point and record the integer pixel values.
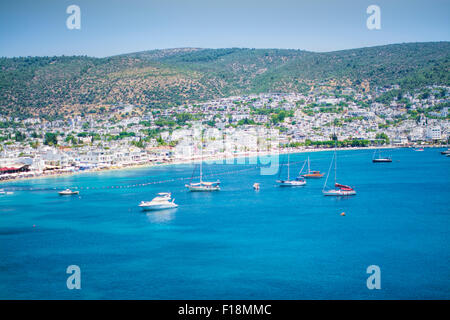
(56, 85)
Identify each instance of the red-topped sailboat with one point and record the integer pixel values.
(339, 189)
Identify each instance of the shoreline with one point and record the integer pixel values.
(219, 157)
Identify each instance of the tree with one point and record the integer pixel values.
(183, 117)
(19, 137)
(51, 139)
(382, 136)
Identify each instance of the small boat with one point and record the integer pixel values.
(312, 174)
(378, 158)
(339, 189)
(299, 181)
(419, 149)
(68, 192)
(256, 186)
(3, 192)
(160, 202)
(446, 152)
(382, 160)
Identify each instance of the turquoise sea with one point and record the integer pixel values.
(276, 243)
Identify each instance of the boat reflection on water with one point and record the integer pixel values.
(161, 216)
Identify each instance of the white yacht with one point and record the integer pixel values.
(162, 201)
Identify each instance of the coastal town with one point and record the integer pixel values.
(124, 135)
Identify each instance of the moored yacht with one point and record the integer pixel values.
(292, 183)
(312, 174)
(382, 160)
(68, 192)
(378, 158)
(160, 202)
(202, 186)
(339, 189)
(299, 181)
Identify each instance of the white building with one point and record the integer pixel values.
(434, 133)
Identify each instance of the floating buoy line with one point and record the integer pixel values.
(148, 183)
(135, 185)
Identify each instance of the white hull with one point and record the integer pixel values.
(202, 188)
(161, 202)
(158, 206)
(292, 183)
(339, 193)
(63, 193)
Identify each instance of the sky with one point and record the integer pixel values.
(38, 28)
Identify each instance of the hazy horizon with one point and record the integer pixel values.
(205, 48)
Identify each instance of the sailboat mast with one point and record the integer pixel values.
(309, 170)
(288, 168)
(335, 165)
(335, 155)
(201, 157)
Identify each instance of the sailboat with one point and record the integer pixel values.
(299, 181)
(339, 189)
(202, 186)
(312, 174)
(378, 158)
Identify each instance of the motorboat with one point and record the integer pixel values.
(162, 201)
(68, 192)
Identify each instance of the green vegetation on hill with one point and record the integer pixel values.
(55, 85)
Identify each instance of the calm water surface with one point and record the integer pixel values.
(278, 243)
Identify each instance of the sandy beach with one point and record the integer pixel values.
(206, 158)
